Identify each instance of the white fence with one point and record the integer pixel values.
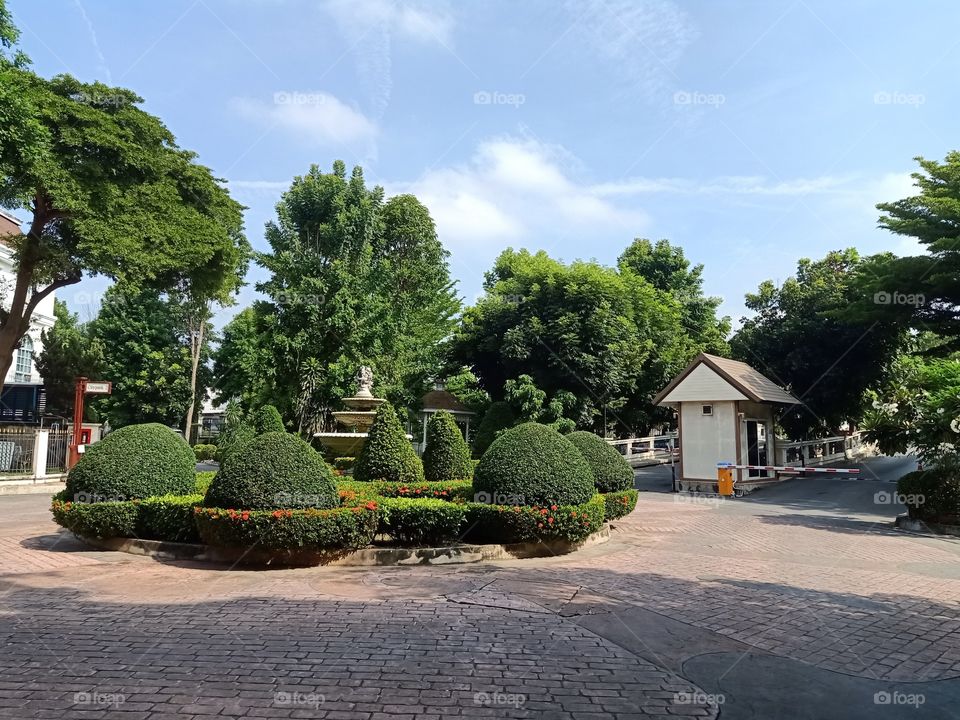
(32, 454)
(651, 449)
(819, 451)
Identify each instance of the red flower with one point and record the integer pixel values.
(553, 507)
(371, 505)
(244, 516)
(550, 520)
(543, 512)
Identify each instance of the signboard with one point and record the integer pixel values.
(99, 387)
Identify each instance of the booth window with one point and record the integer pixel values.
(706, 409)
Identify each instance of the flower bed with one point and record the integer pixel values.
(337, 528)
(506, 524)
(618, 504)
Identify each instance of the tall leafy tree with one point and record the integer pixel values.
(353, 280)
(70, 350)
(604, 336)
(108, 191)
(243, 363)
(923, 291)
(146, 356)
(805, 337)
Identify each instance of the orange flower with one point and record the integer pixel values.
(553, 507)
(371, 505)
(550, 520)
(244, 516)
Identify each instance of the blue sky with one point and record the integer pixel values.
(749, 133)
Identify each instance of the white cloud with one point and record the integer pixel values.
(420, 22)
(640, 41)
(730, 184)
(319, 117)
(515, 190)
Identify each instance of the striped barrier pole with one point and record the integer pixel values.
(789, 468)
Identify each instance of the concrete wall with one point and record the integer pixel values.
(706, 440)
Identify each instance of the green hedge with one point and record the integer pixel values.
(203, 480)
(536, 465)
(498, 417)
(204, 452)
(446, 456)
(619, 504)
(274, 471)
(421, 522)
(96, 519)
(505, 524)
(168, 518)
(136, 461)
(611, 471)
(451, 490)
(932, 495)
(340, 528)
(267, 419)
(387, 454)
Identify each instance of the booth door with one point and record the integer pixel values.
(756, 446)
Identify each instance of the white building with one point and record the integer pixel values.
(22, 396)
(725, 413)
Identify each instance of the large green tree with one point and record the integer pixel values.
(922, 292)
(147, 357)
(805, 336)
(606, 337)
(70, 350)
(243, 361)
(107, 190)
(353, 280)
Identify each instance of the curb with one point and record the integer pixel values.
(30, 487)
(364, 557)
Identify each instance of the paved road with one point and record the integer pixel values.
(799, 601)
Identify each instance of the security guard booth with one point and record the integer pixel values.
(725, 414)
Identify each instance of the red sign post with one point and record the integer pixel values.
(84, 387)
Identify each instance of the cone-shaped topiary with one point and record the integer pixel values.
(446, 456)
(235, 436)
(611, 471)
(267, 419)
(498, 416)
(273, 471)
(136, 461)
(532, 464)
(387, 454)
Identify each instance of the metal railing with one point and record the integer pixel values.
(655, 448)
(16, 450)
(818, 451)
(58, 443)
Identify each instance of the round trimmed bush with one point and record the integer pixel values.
(611, 471)
(535, 465)
(387, 454)
(136, 461)
(267, 419)
(274, 471)
(446, 456)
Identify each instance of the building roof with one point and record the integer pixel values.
(751, 382)
(443, 400)
(9, 225)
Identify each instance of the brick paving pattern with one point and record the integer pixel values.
(102, 635)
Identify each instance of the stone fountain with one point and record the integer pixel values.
(356, 420)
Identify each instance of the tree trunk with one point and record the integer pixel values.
(196, 345)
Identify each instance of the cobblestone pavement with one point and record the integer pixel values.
(813, 573)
